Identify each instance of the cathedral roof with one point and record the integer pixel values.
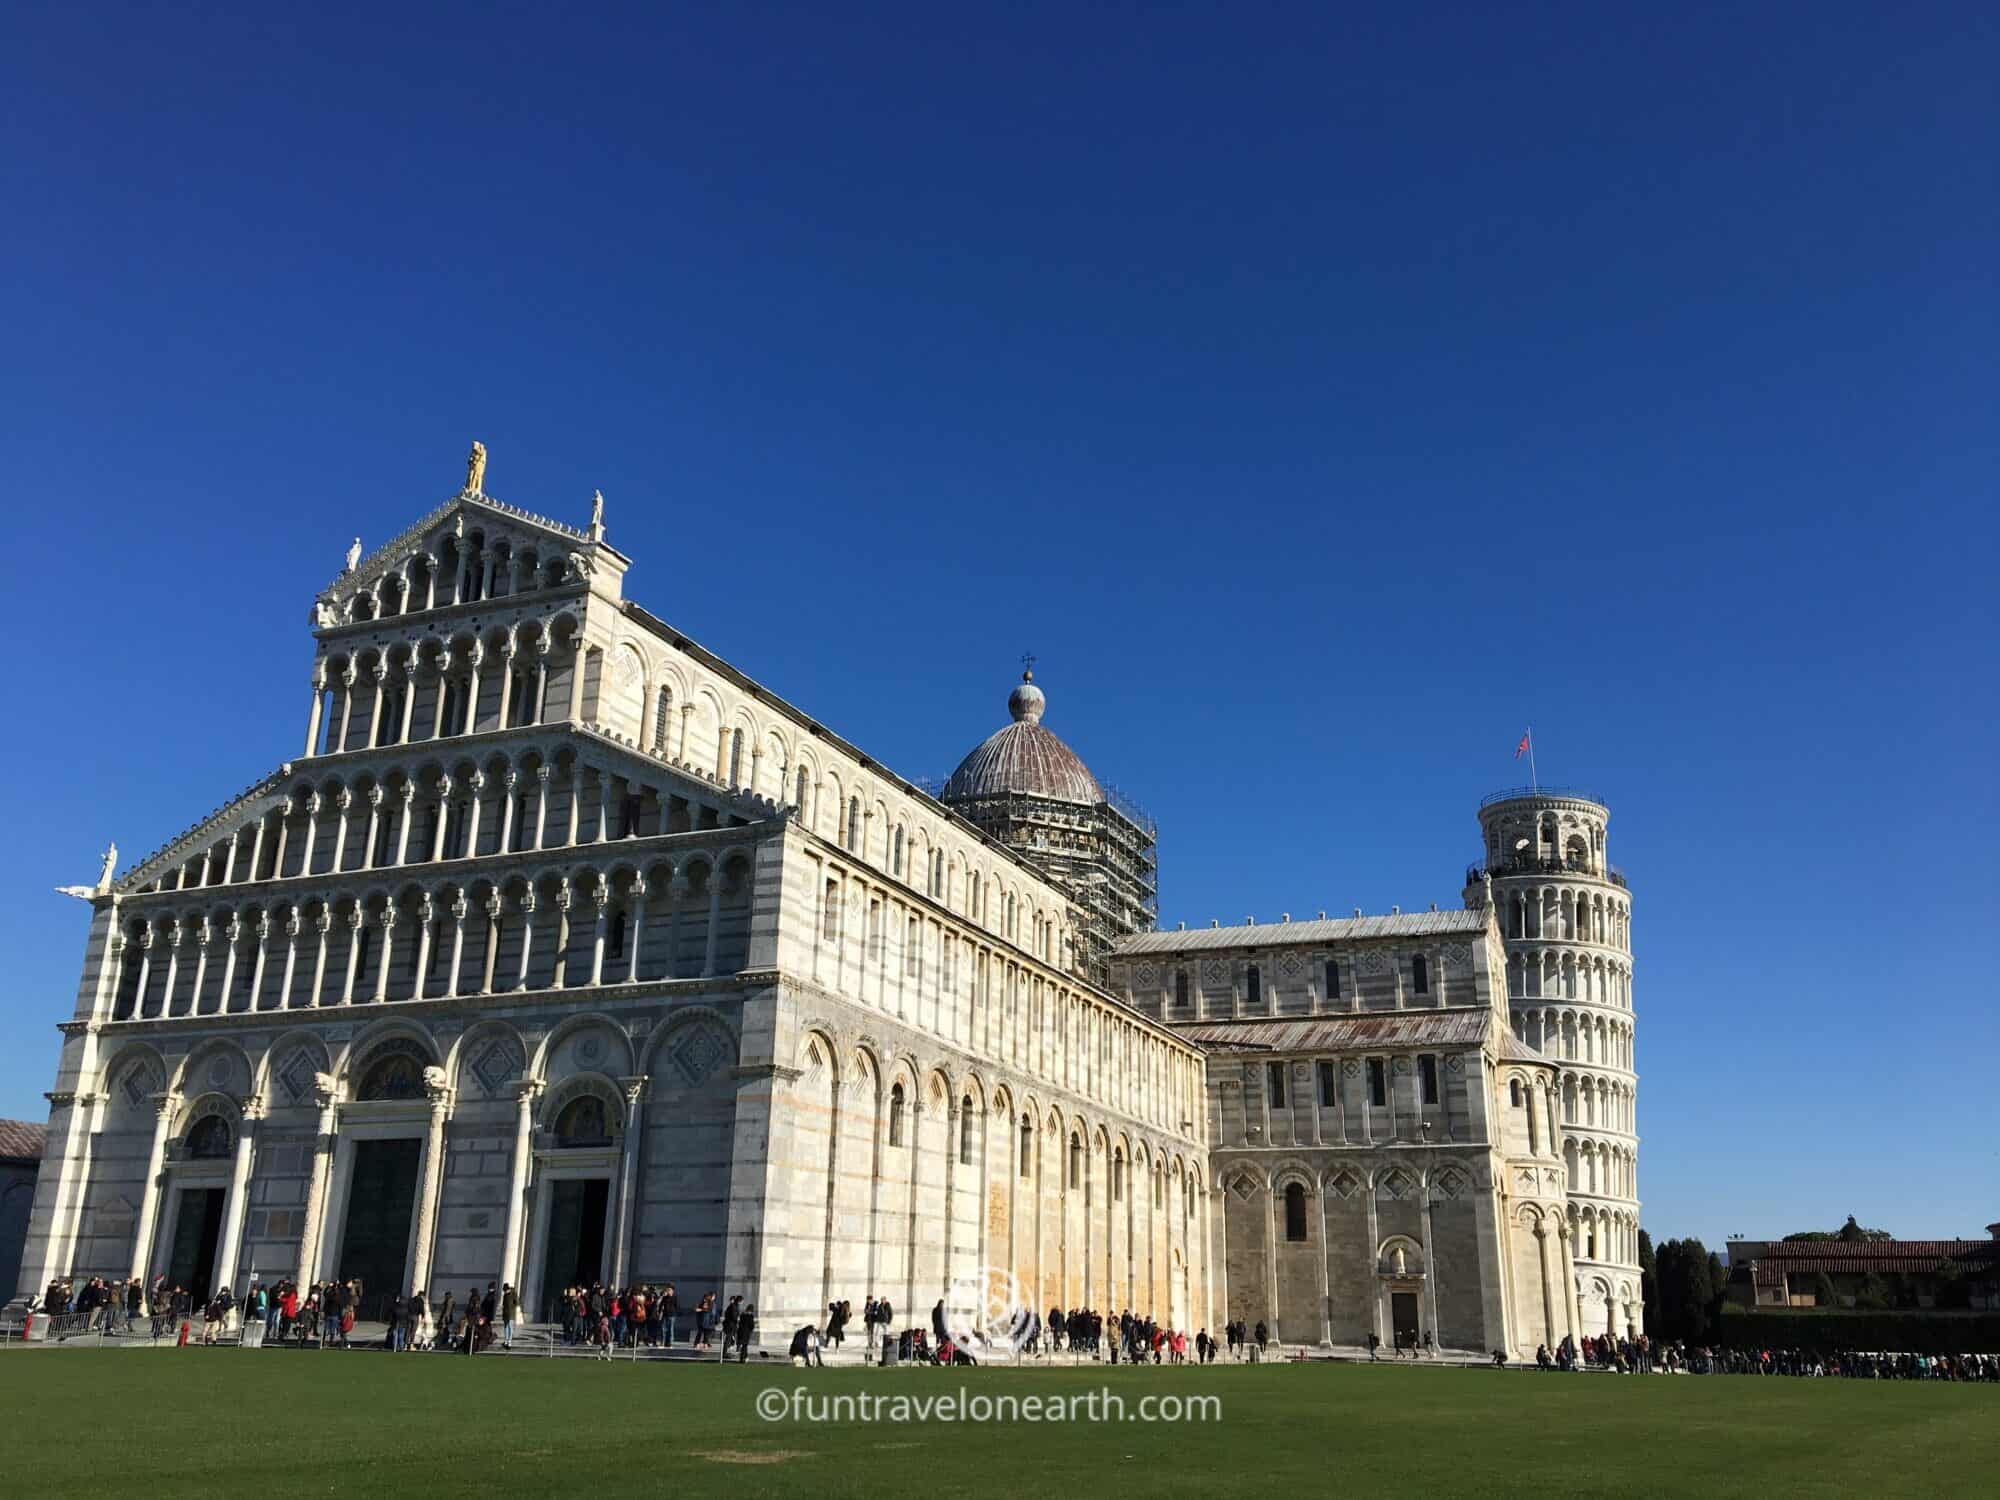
(1323, 930)
(1434, 1028)
(1023, 759)
(21, 1140)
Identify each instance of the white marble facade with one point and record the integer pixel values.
(566, 948)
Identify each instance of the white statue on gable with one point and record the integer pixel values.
(325, 616)
(354, 555)
(596, 515)
(110, 864)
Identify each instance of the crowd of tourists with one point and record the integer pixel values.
(1641, 1356)
(1840, 1364)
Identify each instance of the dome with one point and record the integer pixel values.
(1023, 759)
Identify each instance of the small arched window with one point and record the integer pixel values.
(1027, 1146)
(853, 821)
(1295, 1213)
(896, 853)
(736, 757)
(1075, 1161)
(1118, 1177)
(896, 1115)
(1253, 986)
(1514, 1092)
(965, 1131)
(209, 1139)
(799, 799)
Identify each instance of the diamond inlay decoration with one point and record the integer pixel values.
(295, 1077)
(697, 1055)
(498, 1064)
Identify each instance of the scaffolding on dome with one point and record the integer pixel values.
(1103, 857)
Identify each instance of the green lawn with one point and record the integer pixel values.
(195, 1420)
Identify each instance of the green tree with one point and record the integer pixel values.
(1873, 1295)
(1649, 1281)
(1691, 1283)
(1823, 1292)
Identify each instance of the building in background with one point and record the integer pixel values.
(1868, 1274)
(21, 1143)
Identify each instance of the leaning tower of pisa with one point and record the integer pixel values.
(1566, 918)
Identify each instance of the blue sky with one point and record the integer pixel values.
(1323, 393)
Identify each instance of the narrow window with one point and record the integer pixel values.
(1295, 1213)
(1180, 989)
(1274, 1074)
(965, 1131)
(363, 940)
(875, 932)
(1326, 1085)
(1253, 987)
(661, 709)
(799, 800)
(736, 757)
(1514, 1092)
(896, 1115)
(1378, 1082)
(913, 951)
(1075, 1161)
(1333, 979)
(853, 821)
(830, 928)
(1427, 1077)
(1027, 1145)
(896, 854)
(1420, 975)
(1118, 1178)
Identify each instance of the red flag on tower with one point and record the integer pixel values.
(1522, 748)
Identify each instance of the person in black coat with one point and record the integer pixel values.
(746, 1330)
(937, 1322)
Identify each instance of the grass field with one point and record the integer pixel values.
(208, 1420)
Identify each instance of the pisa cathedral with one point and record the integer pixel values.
(564, 951)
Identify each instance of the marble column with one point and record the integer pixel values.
(321, 1170)
(429, 1177)
(318, 709)
(628, 1174)
(600, 897)
(164, 1106)
(517, 1197)
(459, 909)
(527, 936)
(236, 1204)
(355, 918)
(635, 928)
